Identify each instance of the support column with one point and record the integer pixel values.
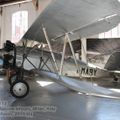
(84, 50)
(2, 27)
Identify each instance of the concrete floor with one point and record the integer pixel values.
(55, 102)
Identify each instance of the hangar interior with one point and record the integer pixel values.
(58, 60)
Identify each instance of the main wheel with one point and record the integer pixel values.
(19, 89)
(12, 79)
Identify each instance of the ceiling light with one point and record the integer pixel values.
(118, 0)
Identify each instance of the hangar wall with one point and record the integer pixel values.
(6, 17)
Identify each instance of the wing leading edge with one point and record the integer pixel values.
(82, 18)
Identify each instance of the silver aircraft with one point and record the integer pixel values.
(82, 70)
(61, 22)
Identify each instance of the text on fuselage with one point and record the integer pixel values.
(88, 71)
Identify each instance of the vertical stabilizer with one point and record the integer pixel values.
(113, 62)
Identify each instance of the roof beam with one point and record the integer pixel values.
(8, 3)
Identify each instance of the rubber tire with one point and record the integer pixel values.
(11, 80)
(12, 92)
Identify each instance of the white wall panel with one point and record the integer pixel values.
(6, 18)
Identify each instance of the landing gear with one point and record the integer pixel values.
(19, 89)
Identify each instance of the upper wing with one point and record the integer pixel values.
(81, 17)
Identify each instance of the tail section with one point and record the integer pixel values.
(113, 62)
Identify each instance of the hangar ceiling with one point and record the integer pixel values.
(3, 2)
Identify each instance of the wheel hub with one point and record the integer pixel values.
(20, 89)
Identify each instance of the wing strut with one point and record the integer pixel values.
(67, 39)
(73, 53)
(63, 55)
(50, 47)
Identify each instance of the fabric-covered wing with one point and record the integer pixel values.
(82, 17)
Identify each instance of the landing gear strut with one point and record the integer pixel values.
(18, 87)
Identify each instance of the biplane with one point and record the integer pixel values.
(61, 22)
